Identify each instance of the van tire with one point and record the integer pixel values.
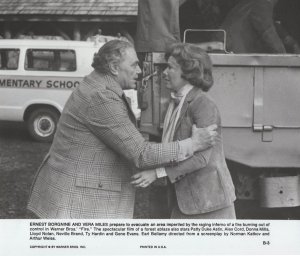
(42, 123)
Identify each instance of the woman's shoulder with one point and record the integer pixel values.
(202, 103)
(203, 108)
(201, 98)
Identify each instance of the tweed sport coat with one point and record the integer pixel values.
(202, 182)
(87, 171)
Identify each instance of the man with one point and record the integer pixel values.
(250, 28)
(88, 169)
(157, 25)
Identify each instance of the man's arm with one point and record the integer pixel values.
(108, 119)
(290, 44)
(262, 21)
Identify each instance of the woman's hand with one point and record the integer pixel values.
(144, 179)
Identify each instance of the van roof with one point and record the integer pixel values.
(46, 43)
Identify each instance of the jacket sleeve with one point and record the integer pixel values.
(261, 18)
(107, 117)
(204, 113)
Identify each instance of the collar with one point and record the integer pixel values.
(108, 81)
(177, 96)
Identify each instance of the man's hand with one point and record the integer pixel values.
(144, 179)
(203, 138)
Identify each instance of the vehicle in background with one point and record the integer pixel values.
(258, 97)
(38, 76)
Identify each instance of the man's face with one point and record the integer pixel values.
(173, 75)
(128, 70)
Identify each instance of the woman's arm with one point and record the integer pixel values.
(203, 112)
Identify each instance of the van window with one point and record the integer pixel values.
(50, 60)
(9, 58)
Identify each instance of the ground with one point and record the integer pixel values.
(20, 158)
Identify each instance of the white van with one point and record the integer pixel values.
(37, 77)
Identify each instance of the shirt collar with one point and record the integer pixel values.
(182, 92)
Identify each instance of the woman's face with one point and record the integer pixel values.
(173, 75)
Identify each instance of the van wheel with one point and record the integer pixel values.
(42, 124)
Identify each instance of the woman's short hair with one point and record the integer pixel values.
(195, 64)
(111, 52)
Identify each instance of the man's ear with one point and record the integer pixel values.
(114, 68)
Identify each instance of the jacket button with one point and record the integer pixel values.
(100, 185)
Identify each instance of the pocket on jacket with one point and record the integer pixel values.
(207, 189)
(200, 192)
(104, 183)
(90, 202)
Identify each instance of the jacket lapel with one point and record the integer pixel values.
(115, 87)
(128, 104)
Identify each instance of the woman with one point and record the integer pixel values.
(202, 183)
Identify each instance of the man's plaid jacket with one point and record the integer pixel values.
(96, 148)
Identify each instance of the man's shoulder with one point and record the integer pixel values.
(99, 87)
(93, 81)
